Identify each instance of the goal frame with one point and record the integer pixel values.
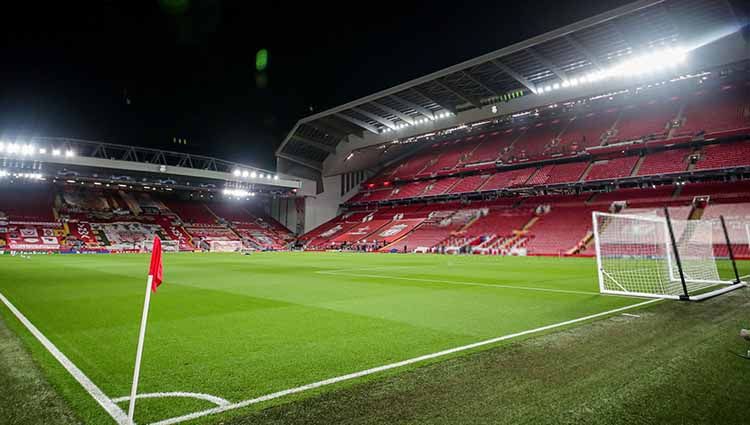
(672, 259)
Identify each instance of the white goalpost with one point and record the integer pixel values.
(653, 256)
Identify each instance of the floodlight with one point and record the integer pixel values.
(69, 154)
(237, 173)
(253, 175)
(55, 152)
(275, 177)
(42, 151)
(245, 174)
(2, 146)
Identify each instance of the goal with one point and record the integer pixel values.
(225, 246)
(654, 256)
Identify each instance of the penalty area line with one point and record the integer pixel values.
(350, 376)
(455, 282)
(108, 405)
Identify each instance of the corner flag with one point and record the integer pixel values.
(155, 270)
(155, 275)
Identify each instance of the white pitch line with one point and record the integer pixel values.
(455, 282)
(200, 396)
(631, 315)
(330, 381)
(110, 407)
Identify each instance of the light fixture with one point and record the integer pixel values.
(245, 174)
(237, 173)
(42, 151)
(55, 152)
(253, 175)
(275, 177)
(69, 153)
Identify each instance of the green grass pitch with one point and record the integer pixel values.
(240, 327)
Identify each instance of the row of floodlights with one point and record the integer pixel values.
(29, 176)
(253, 175)
(419, 121)
(240, 193)
(656, 61)
(29, 150)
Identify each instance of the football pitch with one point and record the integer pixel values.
(229, 334)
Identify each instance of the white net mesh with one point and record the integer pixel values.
(635, 254)
(225, 246)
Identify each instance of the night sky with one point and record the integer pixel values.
(144, 72)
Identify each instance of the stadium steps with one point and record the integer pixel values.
(680, 117)
(582, 245)
(612, 130)
(637, 166)
(692, 164)
(696, 213)
(585, 172)
(530, 223)
(531, 176)
(591, 199)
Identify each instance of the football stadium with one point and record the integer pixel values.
(557, 231)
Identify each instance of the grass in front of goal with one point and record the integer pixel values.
(239, 327)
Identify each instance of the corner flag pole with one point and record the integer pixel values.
(139, 351)
(153, 281)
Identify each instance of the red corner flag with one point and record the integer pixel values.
(155, 270)
(155, 275)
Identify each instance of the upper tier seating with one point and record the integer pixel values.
(536, 140)
(191, 211)
(587, 130)
(612, 169)
(450, 153)
(712, 112)
(27, 203)
(491, 147)
(724, 155)
(231, 212)
(410, 190)
(669, 161)
(512, 178)
(415, 163)
(645, 120)
(469, 184)
(559, 173)
(439, 187)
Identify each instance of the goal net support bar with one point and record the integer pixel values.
(655, 256)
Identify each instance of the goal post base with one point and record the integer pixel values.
(697, 297)
(717, 292)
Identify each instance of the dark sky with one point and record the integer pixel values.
(188, 67)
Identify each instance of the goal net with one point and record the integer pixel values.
(637, 256)
(225, 246)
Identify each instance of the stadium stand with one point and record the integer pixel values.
(611, 168)
(725, 155)
(587, 130)
(648, 120)
(710, 113)
(665, 162)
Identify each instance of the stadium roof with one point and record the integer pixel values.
(526, 68)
